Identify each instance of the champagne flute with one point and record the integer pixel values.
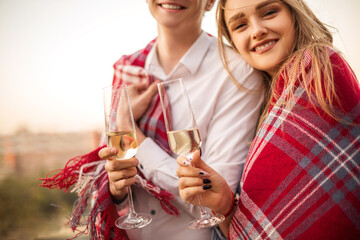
(120, 133)
(183, 136)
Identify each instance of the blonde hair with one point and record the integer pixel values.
(311, 37)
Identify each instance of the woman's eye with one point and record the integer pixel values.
(270, 12)
(239, 26)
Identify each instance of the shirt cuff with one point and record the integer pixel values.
(117, 202)
(152, 158)
(217, 234)
(122, 204)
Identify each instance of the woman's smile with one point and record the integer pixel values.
(264, 46)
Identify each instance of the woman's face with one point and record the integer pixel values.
(262, 31)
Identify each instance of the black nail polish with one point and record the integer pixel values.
(205, 181)
(205, 187)
(204, 174)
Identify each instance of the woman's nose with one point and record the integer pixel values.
(258, 30)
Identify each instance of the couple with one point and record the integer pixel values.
(287, 84)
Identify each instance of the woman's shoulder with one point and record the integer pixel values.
(342, 72)
(345, 82)
(322, 55)
(308, 54)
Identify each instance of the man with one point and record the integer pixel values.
(182, 49)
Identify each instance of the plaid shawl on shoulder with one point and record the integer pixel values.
(86, 173)
(302, 176)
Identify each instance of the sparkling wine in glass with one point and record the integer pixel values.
(120, 133)
(183, 136)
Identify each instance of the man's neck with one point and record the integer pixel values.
(172, 45)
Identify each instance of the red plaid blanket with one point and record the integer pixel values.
(301, 179)
(87, 172)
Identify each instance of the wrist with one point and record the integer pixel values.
(119, 200)
(228, 206)
(139, 135)
(117, 195)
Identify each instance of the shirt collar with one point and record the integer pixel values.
(152, 61)
(194, 56)
(191, 60)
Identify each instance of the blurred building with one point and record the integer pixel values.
(29, 154)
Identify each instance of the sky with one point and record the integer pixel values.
(57, 55)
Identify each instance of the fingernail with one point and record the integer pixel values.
(113, 150)
(205, 187)
(186, 163)
(205, 181)
(204, 174)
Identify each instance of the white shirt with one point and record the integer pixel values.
(226, 119)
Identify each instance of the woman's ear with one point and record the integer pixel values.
(209, 5)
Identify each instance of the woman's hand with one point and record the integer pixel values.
(199, 178)
(121, 173)
(140, 97)
(202, 179)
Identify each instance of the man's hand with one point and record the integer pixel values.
(121, 173)
(140, 97)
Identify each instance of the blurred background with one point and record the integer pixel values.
(55, 56)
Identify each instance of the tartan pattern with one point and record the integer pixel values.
(88, 177)
(129, 69)
(301, 179)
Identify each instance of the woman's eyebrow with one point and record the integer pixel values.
(265, 3)
(259, 6)
(236, 17)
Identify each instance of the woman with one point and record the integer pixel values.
(301, 179)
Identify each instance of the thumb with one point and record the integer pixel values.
(139, 86)
(199, 163)
(151, 90)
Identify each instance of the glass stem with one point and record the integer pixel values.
(203, 212)
(131, 203)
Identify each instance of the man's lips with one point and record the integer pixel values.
(171, 6)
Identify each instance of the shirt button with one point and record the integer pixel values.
(141, 166)
(152, 212)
